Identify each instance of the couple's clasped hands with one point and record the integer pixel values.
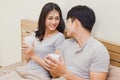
(56, 68)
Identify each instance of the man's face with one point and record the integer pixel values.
(70, 27)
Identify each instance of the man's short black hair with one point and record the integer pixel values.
(84, 14)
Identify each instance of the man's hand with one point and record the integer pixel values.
(55, 67)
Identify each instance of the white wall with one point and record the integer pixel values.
(12, 11)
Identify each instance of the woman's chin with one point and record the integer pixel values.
(52, 29)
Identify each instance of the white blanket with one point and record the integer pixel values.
(21, 74)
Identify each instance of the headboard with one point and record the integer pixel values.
(114, 50)
(28, 26)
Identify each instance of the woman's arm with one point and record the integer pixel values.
(29, 53)
(25, 48)
(57, 51)
(32, 55)
(38, 60)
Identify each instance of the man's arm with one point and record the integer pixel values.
(59, 69)
(70, 76)
(93, 76)
(98, 75)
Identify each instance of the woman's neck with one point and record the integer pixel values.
(49, 33)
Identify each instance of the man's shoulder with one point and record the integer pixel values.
(59, 36)
(69, 41)
(98, 46)
(66, 44)
(97, 43)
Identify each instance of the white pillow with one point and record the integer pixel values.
(114, 73)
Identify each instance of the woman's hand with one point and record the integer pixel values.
(55, 67)
(25, 48)
(28, 52)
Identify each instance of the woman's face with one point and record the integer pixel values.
(52, 20)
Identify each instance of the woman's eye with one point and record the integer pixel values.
(57, 18)
(49, 18)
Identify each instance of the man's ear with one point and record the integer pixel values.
(76, 22)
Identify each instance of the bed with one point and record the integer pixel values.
(28, 26)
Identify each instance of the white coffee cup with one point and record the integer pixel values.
(55, 56)
(29, 41)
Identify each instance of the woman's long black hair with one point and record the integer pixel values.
(41, 22)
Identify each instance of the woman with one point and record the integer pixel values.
(47, 39)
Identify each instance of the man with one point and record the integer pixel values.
(84, 58)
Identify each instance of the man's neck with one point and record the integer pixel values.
(82, 38)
